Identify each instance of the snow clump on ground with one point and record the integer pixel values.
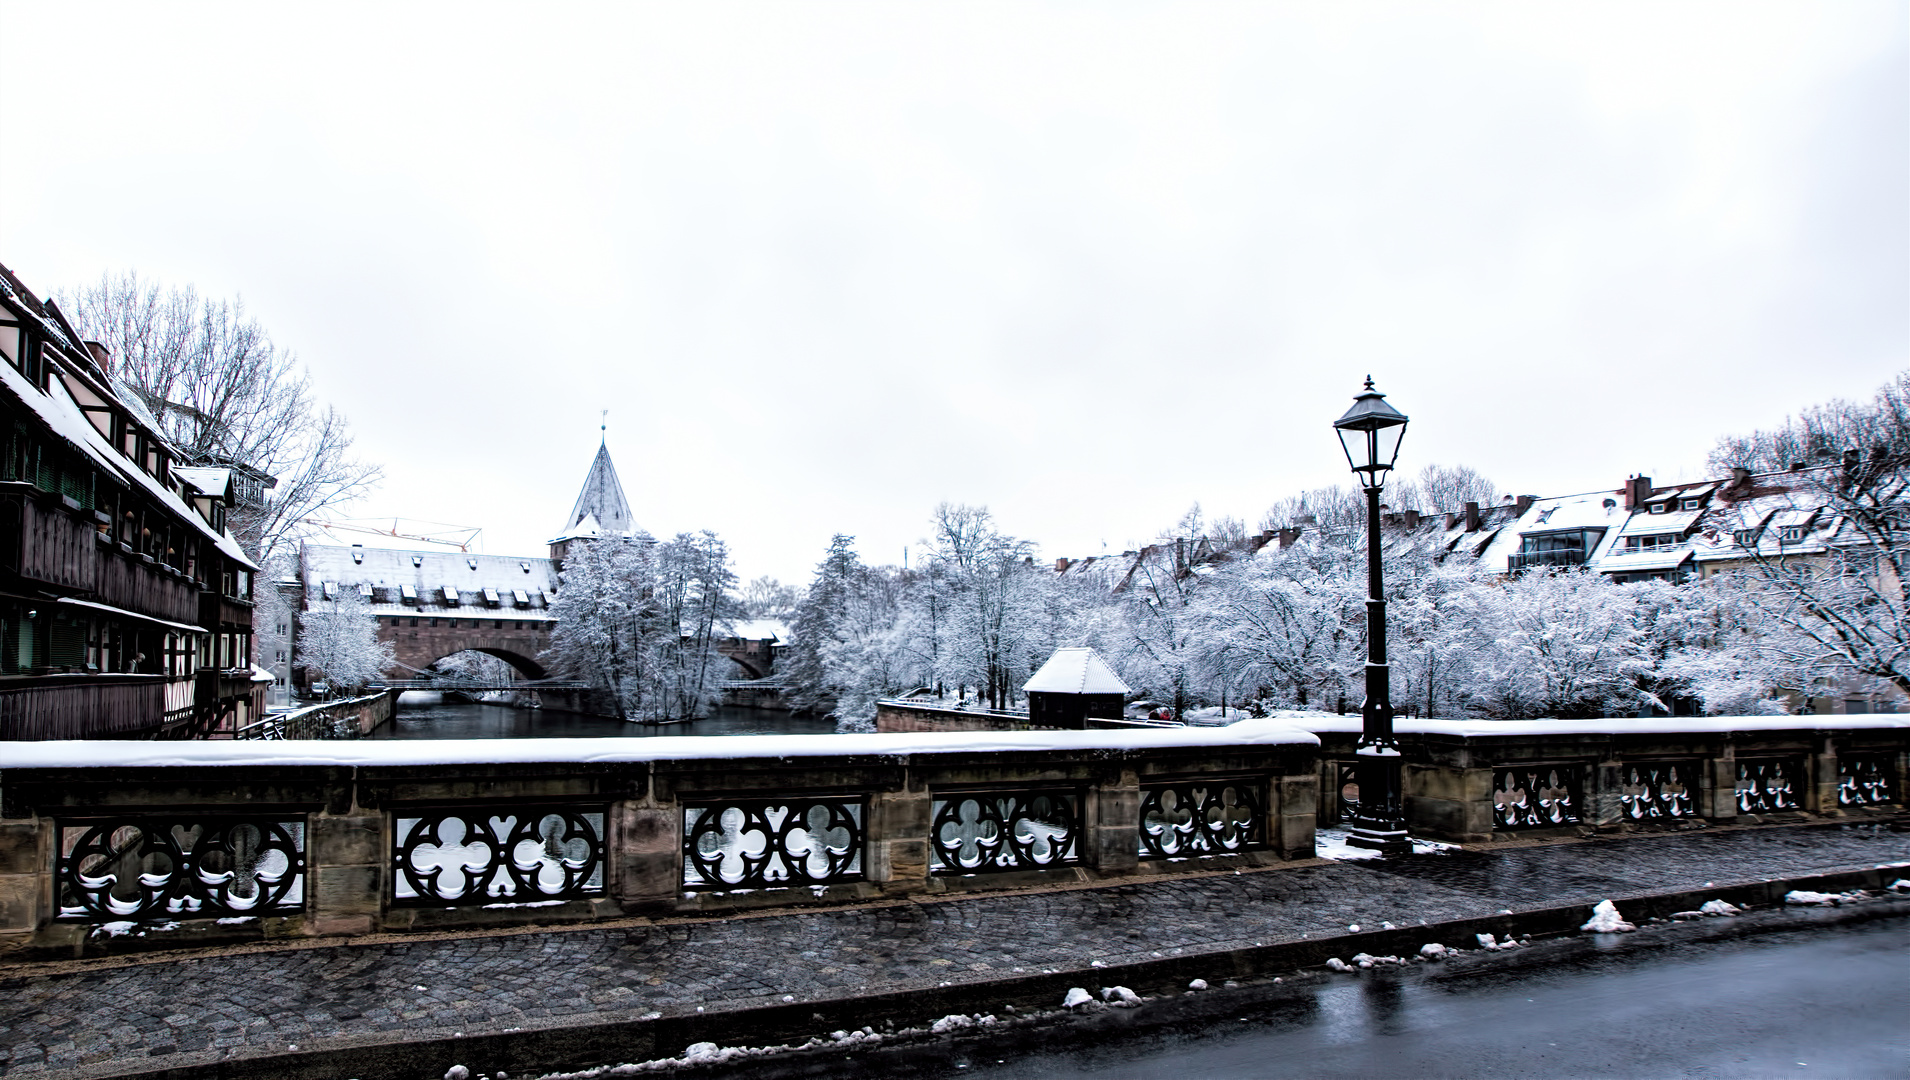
(1606, 920)
(1434, 951)
(1076, 998)
(1120, 997)
(1807, 898)
(1900, 885)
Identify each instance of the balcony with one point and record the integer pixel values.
(81, 706)
(1525, 560)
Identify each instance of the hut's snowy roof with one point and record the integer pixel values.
(1075, 671)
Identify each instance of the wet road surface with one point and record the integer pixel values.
(1818, 1002)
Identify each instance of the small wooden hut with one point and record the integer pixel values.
(1072, 686)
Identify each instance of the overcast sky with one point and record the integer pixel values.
(828, 265)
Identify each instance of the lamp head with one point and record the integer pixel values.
(1370, 433)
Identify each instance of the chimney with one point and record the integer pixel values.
(1412, 519)
(1637, 490)
(1472, 517)
(102, 356)
(1524, 503)
(1288, 536)
(1060, 565)
(1451, 520)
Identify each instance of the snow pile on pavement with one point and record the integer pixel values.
(1368, 960)
(1606, 920)
(1197, 984)
(1338, 964)
(1490, 943)
(1900, 885)
(1807, 898)
(1076, 998)
(1120, 997)
(1434, 951)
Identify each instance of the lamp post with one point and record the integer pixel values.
(1370, 433)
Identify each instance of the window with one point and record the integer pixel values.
(1791, 534)
(1746, 538)
(1660, 507)
(1690, 504)
(417, 560)
(1652, 542)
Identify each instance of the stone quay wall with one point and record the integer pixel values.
(1473, 782)
(131, 845)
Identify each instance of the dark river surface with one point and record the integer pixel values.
(461, 720)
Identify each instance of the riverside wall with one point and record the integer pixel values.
(106, 846)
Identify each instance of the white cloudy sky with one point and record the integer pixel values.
(831, 264)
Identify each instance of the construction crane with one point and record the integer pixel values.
(463, 545)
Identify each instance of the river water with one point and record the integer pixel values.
(462, 720)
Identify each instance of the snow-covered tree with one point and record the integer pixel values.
(638, 619)
(338, 643)
(1837, 584)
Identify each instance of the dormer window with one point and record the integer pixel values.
(1746, 538)
(417, 560)
(1661, 507)
(408, 594)
(358, 553)
(1791, 534)
(472, 563)
(1690, 504)
(524, 566)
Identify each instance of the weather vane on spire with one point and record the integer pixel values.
(603, 425)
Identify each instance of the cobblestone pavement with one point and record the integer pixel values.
(106, 1017)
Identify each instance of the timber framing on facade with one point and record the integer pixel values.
(125, 603)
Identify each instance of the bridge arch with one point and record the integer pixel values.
(523, 665)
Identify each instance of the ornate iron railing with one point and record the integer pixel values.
(1201, 817)
(1651, 790)
(150, 868)
(1004, 830)
(1535, 796)
(1769, 785)
(1863, 779)
(497, 855)
(1342, 801)
(758, 843)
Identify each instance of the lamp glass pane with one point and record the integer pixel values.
(1386, 449)
(1354, 443)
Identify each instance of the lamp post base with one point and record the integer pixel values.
(1387, 838)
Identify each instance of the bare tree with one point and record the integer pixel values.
(225, 394)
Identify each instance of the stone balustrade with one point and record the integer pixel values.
(190, 843)
(1475, 781)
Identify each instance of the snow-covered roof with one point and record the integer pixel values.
(1624, 562)
(216, 482)
(758, 630)
(429, 574)
(1075, 671)
(109, 753)
(1646, 523)
(57, 409)
(601, 508)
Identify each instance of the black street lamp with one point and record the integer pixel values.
(1370, 433)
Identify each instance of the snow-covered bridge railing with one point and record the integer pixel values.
(204, 842)
(1467, 781)
(347, 718)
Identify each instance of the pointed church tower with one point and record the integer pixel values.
(601, 509)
